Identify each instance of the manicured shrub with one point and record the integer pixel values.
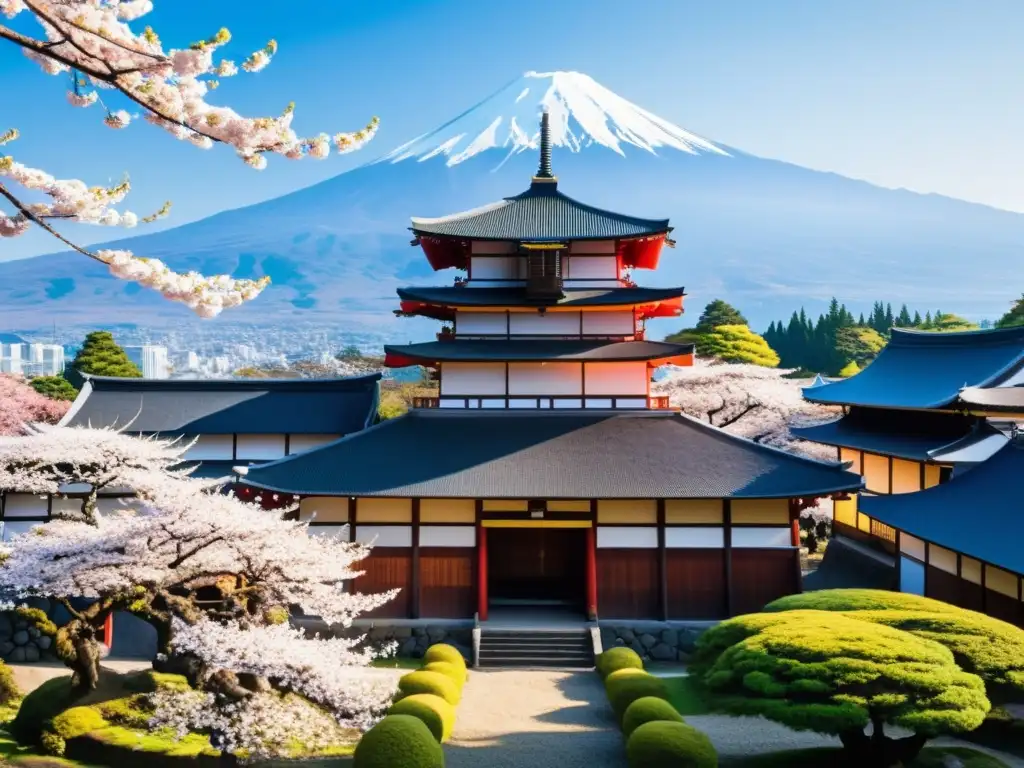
(436, 713)
(618, 658)
(445, 652)
(647, 710)
(807, 670)
(398, 741)
(455, 672)
(859, 600)
(618, 674)
(39, 707)
(626, 690)
(70, 724)
(9, 692)
(429, 682)
(662, 744)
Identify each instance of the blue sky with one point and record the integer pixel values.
(923, 94)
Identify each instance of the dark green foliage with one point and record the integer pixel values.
(662, 744)
(398, 741)
(54, 387)
(647, 710)
(834, 757)
(9, 692)
(618, 658)
(436, 713)
(1014, 317)
(858, 345)
(626, 690)
(945, 322)
(719, 313)
(100, 355)
(430, 682)
(40, 707)
(736, 344)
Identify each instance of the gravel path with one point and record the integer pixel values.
(534, 718)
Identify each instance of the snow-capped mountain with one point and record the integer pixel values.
(768, 236)
(582, 113)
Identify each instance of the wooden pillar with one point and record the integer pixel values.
(592, 573)
(727, 559)
(481, 572)
(108, 631)
(662, 563)
(794, 540)
(351, 518)
(898, 587)
(414, 576)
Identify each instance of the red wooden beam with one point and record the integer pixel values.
(481, 572)
(591, 573)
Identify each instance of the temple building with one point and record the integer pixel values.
(929, 426)
(544, 472)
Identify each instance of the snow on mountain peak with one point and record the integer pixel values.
(582, 113)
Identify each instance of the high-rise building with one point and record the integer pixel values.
(44, 360)
(191, 361)
(11, 358)
(155, 364)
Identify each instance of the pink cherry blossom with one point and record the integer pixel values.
(20, 405)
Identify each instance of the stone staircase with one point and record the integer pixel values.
(562, 648)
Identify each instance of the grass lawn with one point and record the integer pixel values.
(686, 696)
(829, 757)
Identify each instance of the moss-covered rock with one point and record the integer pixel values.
(453, 671)
(445, 652)
(70, 724)
(40, 707)
(626, 690)
(430, 682)
(618, 658)
(436, 713)
(648, 709)
(662, 744)
(398, 741)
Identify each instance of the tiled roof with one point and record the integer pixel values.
(540, 214)
(521, 350)
(903, 434)
(976, 513)
(993, 398)
(226, 406)
(577, 454)
(927, 370)
(516, 297)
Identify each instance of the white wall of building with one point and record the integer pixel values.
(617, 378)
(545, 378)
(472, 379)
(481, 323)
(549, 323)
(256, 447)
(590, 268)
(616, 323)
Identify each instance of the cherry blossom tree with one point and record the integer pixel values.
(92, 42)
(21, 405)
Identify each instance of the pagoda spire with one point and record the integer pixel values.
(544, 173)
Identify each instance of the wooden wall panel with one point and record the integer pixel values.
(447, 583)
(1004, 607)
(950, 588)
(387, 568)
(762, 575)
(696, 583)
(627, 583)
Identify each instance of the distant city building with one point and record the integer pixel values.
(221, 364)
(155, 363)
(191, 361)
(12, 358)
(44, 360)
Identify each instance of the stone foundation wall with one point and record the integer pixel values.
(410, 641)
(653, 643)
(21, 642)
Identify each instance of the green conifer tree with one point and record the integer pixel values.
(100, 355)
(718, 313)
(1014, 317)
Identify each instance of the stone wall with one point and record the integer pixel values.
(410, 641)
(21, 642)
(653, 643)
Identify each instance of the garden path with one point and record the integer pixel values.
(534, 718)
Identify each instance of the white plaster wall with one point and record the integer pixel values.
(300, 443)
(694, 538)
(473, 379)
(597, 402)
(472, 323)
(617, 378)
(495, 267)
(544, 378)
(761, 537)
(550, 323)
(329, 531)
(570, 403)
(24, 505)
(492, 246)
(260, 447)
(65, 505)
(609, 323)
(120, 504)
(591, 268)
(210, 447)
(12, 528)
(385, 535)
(447, 536)
(324, 509)
(625, 537)
(912, 546)
(592, 246)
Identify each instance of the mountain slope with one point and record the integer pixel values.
(765, 235)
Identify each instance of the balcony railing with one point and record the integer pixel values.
(491, 402)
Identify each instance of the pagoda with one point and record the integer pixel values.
(543, 471)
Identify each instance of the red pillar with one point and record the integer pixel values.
(481, 572)
(794, 523)
(591, 573)
(108, 631)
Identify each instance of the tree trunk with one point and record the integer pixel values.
(76, 645)
(878, 749)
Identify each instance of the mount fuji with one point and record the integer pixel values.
(764, 235)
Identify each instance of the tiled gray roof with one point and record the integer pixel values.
(516, 297)
(520, 350)
(540, 214)
(976, 513)
(571, 454)
(993, 398)
(927, 370)
(226, 406)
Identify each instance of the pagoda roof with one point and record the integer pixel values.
(976, 512)
(227, 406)
(921, 370)
(996, 399)
(514, 296)
(532, 350)
(910, 435)
(541, 214)
(554, 454)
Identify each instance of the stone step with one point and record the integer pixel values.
(537, 661)
(582, 642)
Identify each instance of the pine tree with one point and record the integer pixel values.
(889, 319)
(1014, 317)
(719, 313)
(100, 355)
(903, 321)
(927, 320)
(861, 320)
(917, 319)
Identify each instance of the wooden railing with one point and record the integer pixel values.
(658, 402)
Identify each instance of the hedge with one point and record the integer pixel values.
(618, 674)
(859, 600)
(648, 709)
(445, 652)
(398, 741)
(453, 671)
(618, 658)
(430, 682)
(663, 744)
(626, 690)
(436, 713)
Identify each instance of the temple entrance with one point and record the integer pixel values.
(537, 567)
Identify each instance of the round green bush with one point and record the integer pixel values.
(9, 692)
(430, 682)
(39, 707)
(618, 658)
(662, 744)
(859, 600)
(626, 690)
(456, 673)
(436, 713)
(398, 741)
(70, 724)
(618, 674)
(648, 709)
(445, 652)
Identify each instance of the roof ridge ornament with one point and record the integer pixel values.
(544, 173)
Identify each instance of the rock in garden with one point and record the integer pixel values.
(408, 647)
(43, 642)
(31, 653)
(435, 634)
(670, 637)
(33, 632)
(18, 654)
(663, 652)
(6, 647)
(648, 641)
(608, 637)
(419, 632)
(402, 633)
(627, 635)
(20, 637)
